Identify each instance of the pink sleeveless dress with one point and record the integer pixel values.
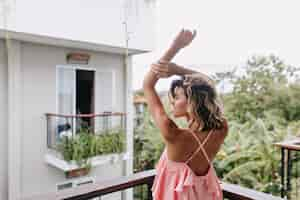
(176, 180)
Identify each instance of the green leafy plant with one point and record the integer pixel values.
(85, 145)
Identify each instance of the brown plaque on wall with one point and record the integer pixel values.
(78, 58)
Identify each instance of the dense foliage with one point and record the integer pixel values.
(85, 145)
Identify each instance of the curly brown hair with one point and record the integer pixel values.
(204, 104)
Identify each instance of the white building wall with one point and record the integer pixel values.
(39, 97)
(3, 123)
(89, 22)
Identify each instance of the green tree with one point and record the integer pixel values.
(264, 83)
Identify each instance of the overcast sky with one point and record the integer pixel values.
(228, 33)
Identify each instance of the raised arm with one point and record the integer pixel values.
(166, 126)
(164, 68)
(183, 39)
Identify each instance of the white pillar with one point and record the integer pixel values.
(14, 119)
(129, 123)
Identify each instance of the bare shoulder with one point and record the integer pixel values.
(185, 139)
(179, 135)
(171, 132)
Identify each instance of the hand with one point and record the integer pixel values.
(184, 38)
(163, 69)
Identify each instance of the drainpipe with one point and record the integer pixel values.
(128, 168)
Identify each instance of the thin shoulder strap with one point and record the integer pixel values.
(200, 147)
(207, 137)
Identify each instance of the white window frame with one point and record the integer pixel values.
(74, 68)
(78, 67)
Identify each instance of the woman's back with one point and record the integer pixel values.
(187, 143)
(185, 170)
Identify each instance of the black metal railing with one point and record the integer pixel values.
(60, 125)
(85, 192)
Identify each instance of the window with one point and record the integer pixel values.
(75, 95)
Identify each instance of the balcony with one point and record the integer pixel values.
(98, 125)
(85, 140)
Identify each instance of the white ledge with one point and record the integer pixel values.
(69, 43)
(58, 162)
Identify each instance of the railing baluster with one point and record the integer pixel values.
(149, 192)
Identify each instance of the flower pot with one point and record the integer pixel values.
(77, 172)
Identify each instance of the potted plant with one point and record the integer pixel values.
(80, 148)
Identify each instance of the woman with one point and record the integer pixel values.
(185, 170)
